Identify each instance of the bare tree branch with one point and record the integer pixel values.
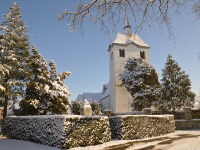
(111, 13)
(196, 9)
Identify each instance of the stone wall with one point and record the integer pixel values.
(62, 131)
(187, 124)
(196, 114)
(129, 127)
(180, 114)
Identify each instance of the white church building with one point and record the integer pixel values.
(114, 96)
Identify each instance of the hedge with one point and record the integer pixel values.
(129, 127)
(61, 131)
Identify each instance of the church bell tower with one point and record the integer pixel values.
(126, 45)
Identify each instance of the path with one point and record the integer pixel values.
(179, 140)
(182, 140)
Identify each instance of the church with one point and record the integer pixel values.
(114, 96)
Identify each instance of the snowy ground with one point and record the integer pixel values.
(184, 140)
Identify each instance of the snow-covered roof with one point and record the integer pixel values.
(105, 92)
(91, 97)
(126, 39)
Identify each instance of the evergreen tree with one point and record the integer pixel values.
(37, 86)
(141, 80)
(76, 107)
(97, 108)
(58, 91)
(14, 51)
(175, 88)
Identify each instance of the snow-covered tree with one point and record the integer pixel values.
(175, 88)
(76, 107)
(97, 110)
(36, 94)
(58, 91)
(141, 80)
(14, 51)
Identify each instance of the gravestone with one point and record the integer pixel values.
(86, 109)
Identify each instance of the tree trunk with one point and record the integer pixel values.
(5, 105)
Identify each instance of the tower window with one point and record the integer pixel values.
(121, 53)
(142, 54)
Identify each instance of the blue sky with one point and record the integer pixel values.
(87, 57)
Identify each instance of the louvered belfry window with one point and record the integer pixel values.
(121, 53)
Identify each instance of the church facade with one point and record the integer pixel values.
(114, 96)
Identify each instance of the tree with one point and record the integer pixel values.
(58, 91)
(141, 80)
(97, 110)
(175, 88)
(113, 12)
(76, 107)
(196, 9)
(38, 81)
(46, 92)
(14, 51)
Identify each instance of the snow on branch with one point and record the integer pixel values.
(114, 12)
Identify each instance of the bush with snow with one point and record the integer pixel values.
(129, 127)
(63, 131)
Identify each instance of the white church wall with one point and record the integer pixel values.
(105, 103)
(120, 98)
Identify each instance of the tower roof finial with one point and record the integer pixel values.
(127, 27)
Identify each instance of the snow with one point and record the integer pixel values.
(158, 116)
(124, 39)
(10, 144)
(105, 92)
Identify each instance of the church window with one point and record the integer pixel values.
(142, 54)
(121, 53)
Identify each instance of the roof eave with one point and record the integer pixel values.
(126, 44)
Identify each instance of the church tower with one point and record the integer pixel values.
(125, 46)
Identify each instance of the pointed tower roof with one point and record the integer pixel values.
(127, 27)
(128, 37)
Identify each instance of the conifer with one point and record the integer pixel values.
(14, 51)
(141, 80)
(58, 91)
(175, 88)
(37, 88)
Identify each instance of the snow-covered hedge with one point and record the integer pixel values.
(128, 127)
(62, 131)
